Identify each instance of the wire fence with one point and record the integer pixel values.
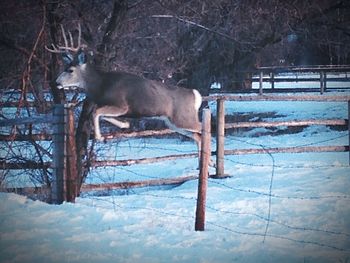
(271, 193)
(232, 214)
(268, 224)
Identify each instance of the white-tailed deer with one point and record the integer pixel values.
(119, 94)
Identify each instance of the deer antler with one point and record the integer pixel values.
(66, 47)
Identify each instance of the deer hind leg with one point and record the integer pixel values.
(107, 113)
(120, 124)
(193, 134)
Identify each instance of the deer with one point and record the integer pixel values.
(121, 94)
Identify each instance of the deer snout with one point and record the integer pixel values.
(58, 85)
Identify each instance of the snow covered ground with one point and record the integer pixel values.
(273, 208)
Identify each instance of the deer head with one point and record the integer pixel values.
(74, 60)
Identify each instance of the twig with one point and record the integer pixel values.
(197, 25)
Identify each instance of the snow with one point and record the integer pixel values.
(272, 208)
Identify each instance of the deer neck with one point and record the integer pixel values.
(91, 80)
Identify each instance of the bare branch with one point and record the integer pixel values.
(195, 24)
(67, 46)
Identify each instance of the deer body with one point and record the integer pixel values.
(123, 94)
(143, 98)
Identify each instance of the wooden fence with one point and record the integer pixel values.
(64, 186)
(268, 74)
(221, 125)
(65, 181)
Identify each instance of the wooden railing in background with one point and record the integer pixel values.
(221, 125)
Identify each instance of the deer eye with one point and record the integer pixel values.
(69, 70)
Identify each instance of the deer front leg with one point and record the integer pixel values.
(97, 130)
(107, 113)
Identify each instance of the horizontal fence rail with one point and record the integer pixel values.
(268, 74)
(289, 150)
(293, 123)
(27, 120)
(309, 97)
(107, 136)
(312, 68)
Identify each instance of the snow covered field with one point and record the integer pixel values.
(273, 208)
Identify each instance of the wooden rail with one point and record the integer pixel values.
(267, 74)
(320, 98)
(221, 125)
(289, 150)
(137, 184)
(143, 160)
(293, 123)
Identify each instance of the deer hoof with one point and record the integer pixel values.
(124, 125)
(100, 138)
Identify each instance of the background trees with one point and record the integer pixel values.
(188, 43)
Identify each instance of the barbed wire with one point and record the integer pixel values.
(231, 138)
(229, 229)
(269, 194)
(194, 199)
(289, 166)
(280, 196)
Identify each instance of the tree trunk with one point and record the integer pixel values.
(82, 137)
(58, 95)
(85, 124)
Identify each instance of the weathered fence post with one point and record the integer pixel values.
(220, 137)
(323, 82)
(349, 127)
(58, 181)
(261, 82)
(72, 184)
(203, 175)
(273, 80)
(65, 180)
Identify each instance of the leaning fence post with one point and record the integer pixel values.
(58, 138)
(203, 175)
(220, 137)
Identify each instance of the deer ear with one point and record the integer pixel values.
(67, 58)
(81, 58)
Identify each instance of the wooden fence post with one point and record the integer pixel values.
(273, 80)
(203, 175)
(72, 182)
(261, 82)
(58, 186)
(322, 82)
(220, 137)
(349, 127)
(65, 177)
